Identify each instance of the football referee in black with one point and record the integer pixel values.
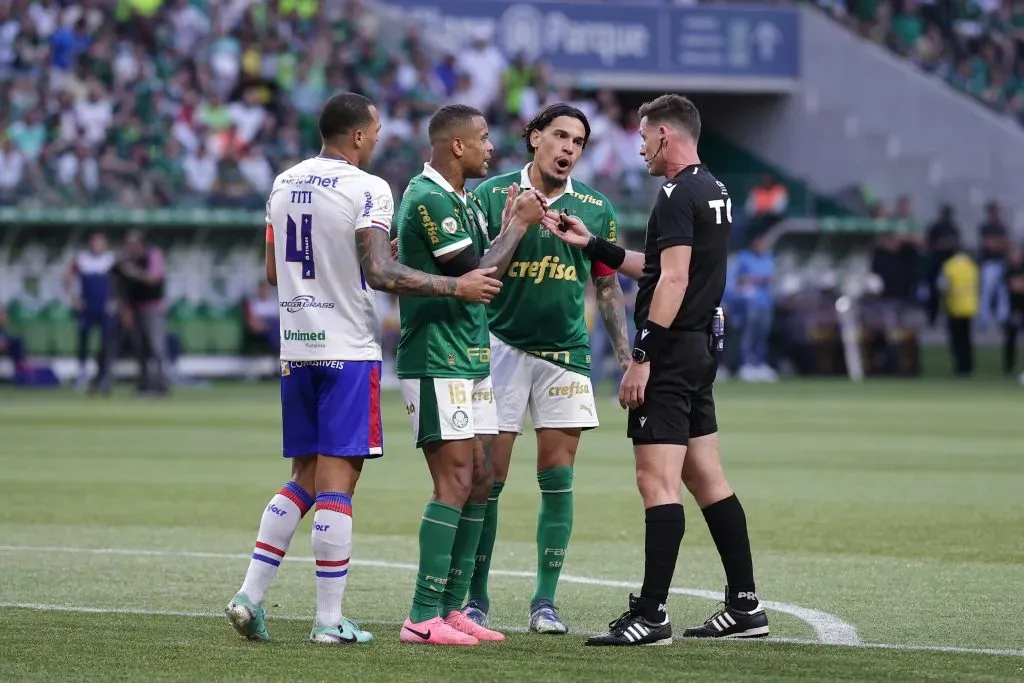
(668, 386)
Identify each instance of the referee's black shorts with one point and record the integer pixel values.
(678, 402)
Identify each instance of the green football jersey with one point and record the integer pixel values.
(541, 307)
(441, 336)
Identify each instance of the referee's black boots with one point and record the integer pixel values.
(634, 628)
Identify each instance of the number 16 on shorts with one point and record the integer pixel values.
(445, 409)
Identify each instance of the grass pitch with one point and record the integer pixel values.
(892, 511)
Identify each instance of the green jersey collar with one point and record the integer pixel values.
(431, 173)
(524, 184)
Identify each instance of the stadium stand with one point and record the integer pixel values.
(977, 46)
(155, 113)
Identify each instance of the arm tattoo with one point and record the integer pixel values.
(501, 251)
(613, 313)
(384, 273)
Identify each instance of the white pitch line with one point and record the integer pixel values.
(40, 607)
(828, 628)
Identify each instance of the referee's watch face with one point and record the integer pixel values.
(652, 140)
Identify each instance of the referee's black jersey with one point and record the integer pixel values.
(693, 209)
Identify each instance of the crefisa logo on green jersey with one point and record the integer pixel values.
(547, 268)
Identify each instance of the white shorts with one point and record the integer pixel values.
(557, 397)
(445, 409)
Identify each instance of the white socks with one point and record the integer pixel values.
(280, 519)
(332, 547)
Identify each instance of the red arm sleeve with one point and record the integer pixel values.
(601, 270)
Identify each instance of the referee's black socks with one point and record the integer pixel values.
(665, 527)
(728, 526)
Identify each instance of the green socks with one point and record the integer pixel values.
(485, 549)
(467, 538)
(437, 536)
(554, 526)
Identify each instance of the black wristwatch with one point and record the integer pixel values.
(640, 356)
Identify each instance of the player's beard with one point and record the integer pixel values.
(551, 181)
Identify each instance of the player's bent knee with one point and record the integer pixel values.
(557, 447)
(451, 468)
(656, 489)
(452, 486)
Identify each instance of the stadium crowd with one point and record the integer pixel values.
(148, 102)
(977, 46)
(152, 103)
(139, 103)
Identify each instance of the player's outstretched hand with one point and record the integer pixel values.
(530, 207)
(569, 229)
(394, 248)
(477, 286)
(510, 200)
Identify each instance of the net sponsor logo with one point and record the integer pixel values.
(303, 301)
(548, 268)
(310, 179)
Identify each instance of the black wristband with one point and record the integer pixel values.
(647, 343)
(603, 251)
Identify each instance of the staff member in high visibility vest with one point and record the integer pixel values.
(959, 283)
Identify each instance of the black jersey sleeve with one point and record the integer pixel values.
(674, 214)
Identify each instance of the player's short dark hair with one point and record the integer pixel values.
(675, 109)
(449, 119)
(548, 114)
(343, 113)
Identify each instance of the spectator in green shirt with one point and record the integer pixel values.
(906, 28)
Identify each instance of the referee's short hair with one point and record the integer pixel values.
(343, 113)
(449, 119)
(675, 109)
(548, 114)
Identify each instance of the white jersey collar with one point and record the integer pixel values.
(524, 184)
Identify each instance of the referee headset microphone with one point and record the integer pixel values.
(661, 146)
